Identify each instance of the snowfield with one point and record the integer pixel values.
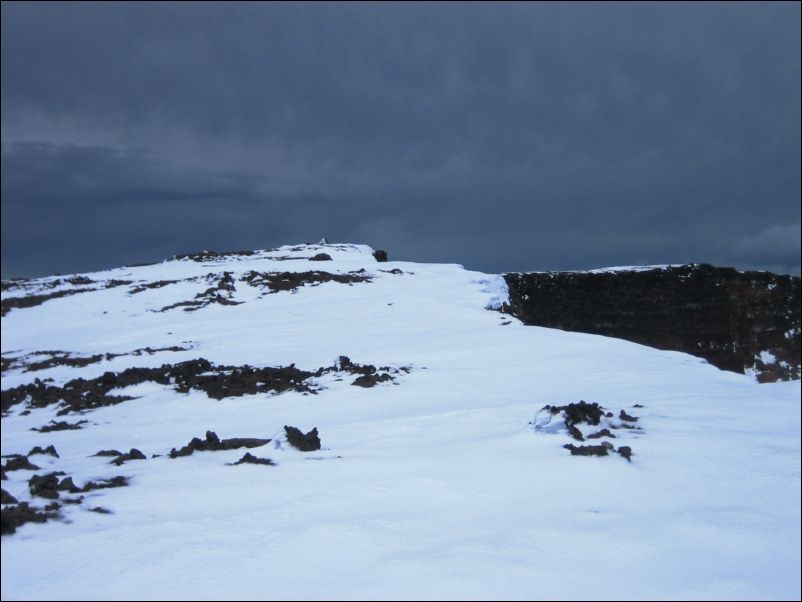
(433, 485)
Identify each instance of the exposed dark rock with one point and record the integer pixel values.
(100, 510)
(625, 451)
(59, 358)
(7, 363)
(216, 381)
(149, 285)
(380, 256)
(134, 454)
(108, 452)
(308, 442)
(118, 481)
(235, 382)
(249, 459)
(575, 433)
(720, 314)
(213, 255)
(626, 417)
(631, 427)
(600, 434)
(394, 271)
(219, 294)
(369, 380)
(589, 450)
(18, 462)
(321, 257)
(112, 283)
(67, 484)
(7, 498)
(66, 358)
(80, 280)
(345, 364)
(45, 486)
(9, 303)
(289, 281)
(50, 450)
(13, 517)
(578, 413)
(61, 426)
(213, 443)
(12, 284)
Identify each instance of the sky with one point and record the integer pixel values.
(504, 137)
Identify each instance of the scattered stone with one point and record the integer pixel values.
(61, 426)
(217, 382)
(45, 486)
(134, 454)
(18, 462)
(575, 433)
(626, 417)
(630, 427)
(321, 257)
(249, 459)
(626, 452)
(637, 405)
(589, 450)
(113, 282)
(14, 517)
(158, 284)
(7, 363)
(7, 498)
(290, 281)
(6, 305)
(212, 295)
(380, 255)
(67, 484)
(370, 380)
(100, 510)
(601, 433)
(213, 255)
(108, 452)
(118, 481)
(345, 364)
(308, 442)
(576, 413)
(66, 358)
(213, 443)
(50, 450)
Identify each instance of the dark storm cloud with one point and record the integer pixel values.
(501, 136)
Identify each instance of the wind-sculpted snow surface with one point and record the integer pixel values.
(382, 435)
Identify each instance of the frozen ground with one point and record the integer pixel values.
(432, 486)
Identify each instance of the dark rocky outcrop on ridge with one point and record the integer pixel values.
(737, 321)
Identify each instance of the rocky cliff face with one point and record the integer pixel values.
(739, 321)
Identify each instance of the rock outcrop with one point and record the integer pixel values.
(738, 321)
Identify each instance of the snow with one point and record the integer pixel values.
(434, 486)
(767, 357)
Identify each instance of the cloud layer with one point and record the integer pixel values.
(500, 136)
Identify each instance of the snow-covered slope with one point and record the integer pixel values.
(442, 480)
